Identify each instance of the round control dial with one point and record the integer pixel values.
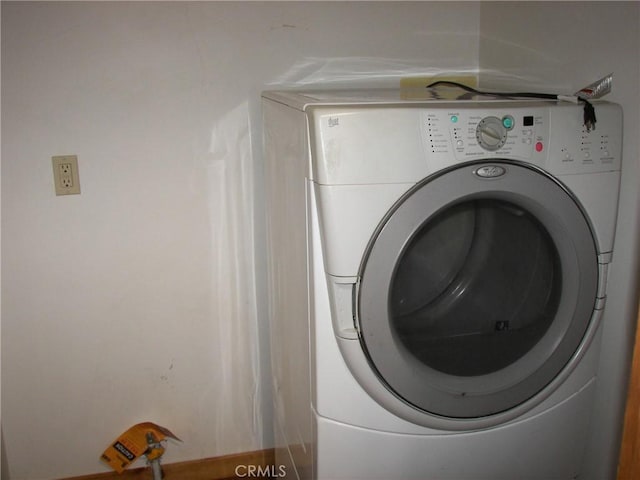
(491, 133)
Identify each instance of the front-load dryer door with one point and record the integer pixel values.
(477, 290)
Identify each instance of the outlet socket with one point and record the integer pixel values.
(66, 177)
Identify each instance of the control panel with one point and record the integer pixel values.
(553, 138)
(479, 133)
(358, 145)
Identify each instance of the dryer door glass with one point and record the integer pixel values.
(476, 294)
(477, 287)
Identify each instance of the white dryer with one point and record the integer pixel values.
(437, 274)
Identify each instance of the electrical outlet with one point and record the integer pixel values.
(65, 174)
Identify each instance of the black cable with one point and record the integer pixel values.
(548, 96)
(589, 116)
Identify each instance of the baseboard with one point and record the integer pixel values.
(215, 468)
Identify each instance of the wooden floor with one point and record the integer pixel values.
(217, 468)
(629, 466)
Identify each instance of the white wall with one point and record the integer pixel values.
(561, 47)
(143, 297)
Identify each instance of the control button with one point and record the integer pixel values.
(606, 153)
(567, 156)
(539, 146)
(527, 132)
(454, 119)
(528, 141)
(587, 155)
(459, 143)
(508, 122)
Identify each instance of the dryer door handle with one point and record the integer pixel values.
(341, 290)
(603, 276)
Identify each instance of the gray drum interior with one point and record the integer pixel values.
(471, 303)
(451, 304)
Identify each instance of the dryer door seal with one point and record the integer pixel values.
(477, 291)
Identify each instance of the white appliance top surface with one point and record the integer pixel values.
(440, 95)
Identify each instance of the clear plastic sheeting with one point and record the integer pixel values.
(231, 197)
(378, 72)
(315, 72)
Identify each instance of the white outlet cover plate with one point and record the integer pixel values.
(66, 176)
